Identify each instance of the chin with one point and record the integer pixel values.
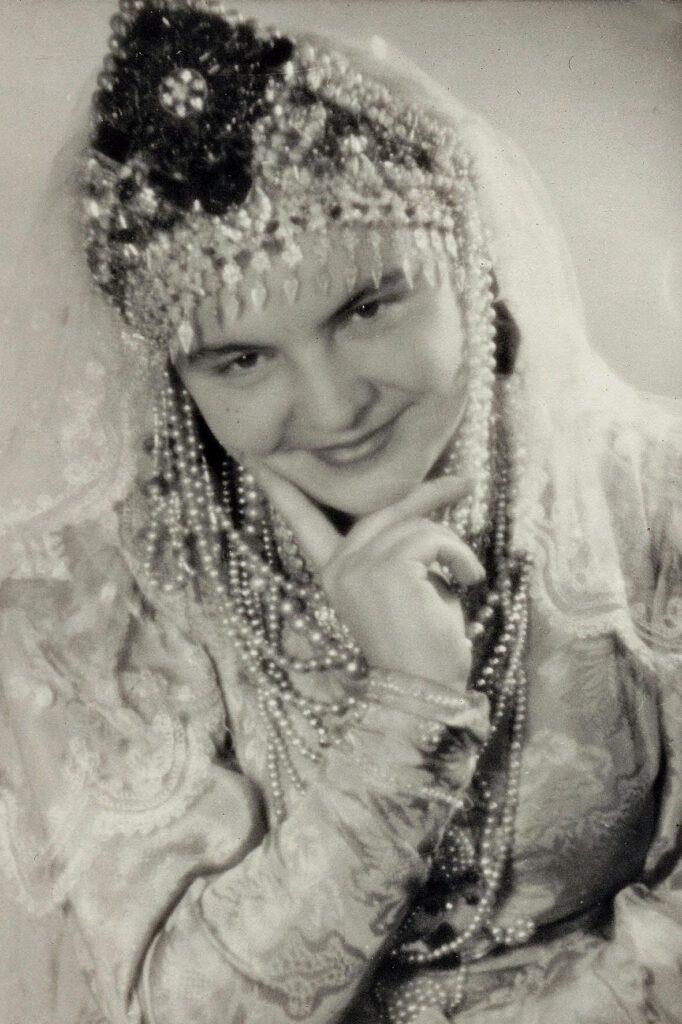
(362, 505)
(359, 488)
(362, 496)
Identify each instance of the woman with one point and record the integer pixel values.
(341, 641)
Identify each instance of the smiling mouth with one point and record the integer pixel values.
(364, 448)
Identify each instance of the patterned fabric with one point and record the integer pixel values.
(136, 821)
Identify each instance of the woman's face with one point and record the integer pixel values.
(350, 395)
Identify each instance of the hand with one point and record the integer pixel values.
(378, 577)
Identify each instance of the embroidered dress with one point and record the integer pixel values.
(150, 822)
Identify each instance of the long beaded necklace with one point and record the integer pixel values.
(257, 585)
(471, 863)
(260, 589)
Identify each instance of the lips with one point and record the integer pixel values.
(366, 447)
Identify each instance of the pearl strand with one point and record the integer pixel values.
(502, 678)
(253, 598)
(244, 559)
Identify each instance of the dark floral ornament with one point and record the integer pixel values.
(180, 94)
(216, 144)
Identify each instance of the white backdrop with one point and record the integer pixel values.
(591, 89)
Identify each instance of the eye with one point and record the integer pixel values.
(367, 310)
(378, 311)
(242, 364)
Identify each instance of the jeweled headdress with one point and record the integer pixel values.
(215, 143)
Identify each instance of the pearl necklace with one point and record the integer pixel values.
(475, 852)
(243, 560)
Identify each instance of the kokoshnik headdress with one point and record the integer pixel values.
(208, 165)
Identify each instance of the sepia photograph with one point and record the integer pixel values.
(341, 512)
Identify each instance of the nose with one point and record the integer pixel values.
(332, 396)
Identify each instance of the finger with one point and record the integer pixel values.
(426, 498)
(315, 534)
(439, 545)
(400, 537)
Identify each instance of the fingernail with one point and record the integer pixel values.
(479, 573)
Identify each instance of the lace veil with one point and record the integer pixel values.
(597, 458)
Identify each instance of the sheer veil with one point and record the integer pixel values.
(595, 457)
(66, 432)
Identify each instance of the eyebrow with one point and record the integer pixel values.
(366, 291)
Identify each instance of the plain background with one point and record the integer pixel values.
(590, 89)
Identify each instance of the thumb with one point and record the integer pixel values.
(315, 534)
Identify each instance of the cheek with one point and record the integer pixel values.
(245, 422)
(432, 350)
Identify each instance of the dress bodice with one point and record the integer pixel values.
(587, 804)
(134, 761)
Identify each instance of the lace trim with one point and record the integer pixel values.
(156, 790)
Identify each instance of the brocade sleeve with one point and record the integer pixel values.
(124, 806)
(290, 932)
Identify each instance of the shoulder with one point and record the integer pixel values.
(82, 623)
(641, 465)
(111, 719)
(643, 485)
(74, 590)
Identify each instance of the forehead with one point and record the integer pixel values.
(302, 286)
